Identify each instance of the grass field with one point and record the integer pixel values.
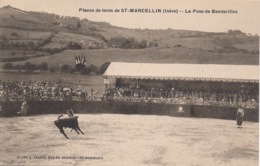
(4, 54)
(149, 55)
(129, 140)
(84, 41)
(24, 35)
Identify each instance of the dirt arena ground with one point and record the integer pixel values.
(128, 140)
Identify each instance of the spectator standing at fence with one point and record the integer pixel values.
(24, 109)
(240, 115)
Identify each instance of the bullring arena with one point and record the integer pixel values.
(144, 117)
(117, 139)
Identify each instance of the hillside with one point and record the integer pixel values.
(149, 55)
(44, 37)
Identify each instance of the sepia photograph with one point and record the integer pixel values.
(129, 82)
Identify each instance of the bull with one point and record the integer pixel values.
(71, 122)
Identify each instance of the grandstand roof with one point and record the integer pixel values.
(204, 72)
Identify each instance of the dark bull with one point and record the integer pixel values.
(71, 122)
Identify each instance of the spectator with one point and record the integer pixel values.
(240, 115)
(24, 109)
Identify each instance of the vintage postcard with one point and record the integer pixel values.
(129, 82)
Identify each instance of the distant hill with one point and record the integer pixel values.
(41, 36)
(149, 55)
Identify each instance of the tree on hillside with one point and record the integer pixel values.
(29, 66)
(93, 68)
(153, 43)
(67, 68)
(14, 34)
(235, 32)
(17, 44)
(85, 71)
(52, 70)
(78, 25)
(100, 36)
(8, 66)
(30, 45)
(23, 45)
(92, 28)
(74, 46)
(143, 44)
(126, 43)
(43, 66)
(80, 61)
(18, 67)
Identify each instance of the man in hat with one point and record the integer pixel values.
(240, 115)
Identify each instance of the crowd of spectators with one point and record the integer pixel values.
(45, 90)
(174, 96)
(56, 91)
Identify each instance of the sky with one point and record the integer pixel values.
(246, 17)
